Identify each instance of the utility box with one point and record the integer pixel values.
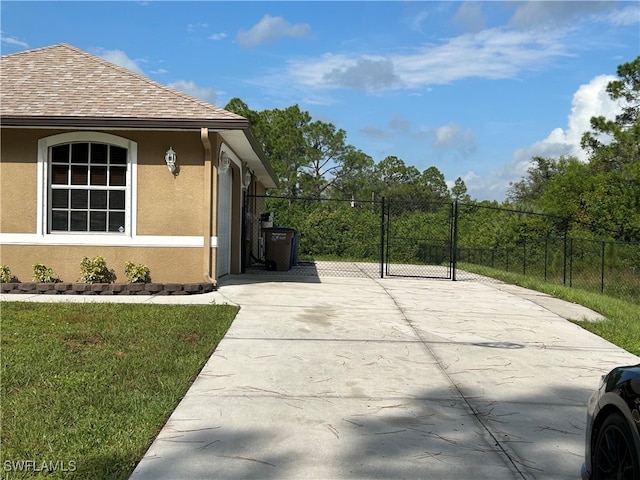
(279, 247)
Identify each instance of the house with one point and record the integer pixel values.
(99, 161)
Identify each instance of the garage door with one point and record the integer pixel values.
(224, 222)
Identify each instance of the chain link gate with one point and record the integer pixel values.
(420, 239)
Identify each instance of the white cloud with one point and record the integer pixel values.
(12, 41)
(590, 100)
(218, 36)
(270, 29)
(364, 73)
(470, 16)
(193, 27)
(189, 87)
(491, 54)
(547, 15)
(453, 136)
(120, 58)
(625, 16)
(400, 124)
(445, 136)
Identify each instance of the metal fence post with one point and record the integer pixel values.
(571, 261)
(602, 270)
(382, 238)
(455, 241)
(564, 260)
(546, 256)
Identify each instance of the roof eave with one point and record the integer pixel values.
(124, 122)
(255, 145)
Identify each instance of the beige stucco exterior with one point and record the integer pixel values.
(170, 220)
(168, 265)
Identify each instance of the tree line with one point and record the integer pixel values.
(599, 197)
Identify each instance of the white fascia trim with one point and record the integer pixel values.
(114, 240)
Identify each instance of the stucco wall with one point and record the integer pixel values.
(169, 211)
(175, 265)
(18, 181)
(168, 204)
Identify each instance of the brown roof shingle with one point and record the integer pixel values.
(62, 84)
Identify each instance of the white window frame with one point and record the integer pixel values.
(81, 238)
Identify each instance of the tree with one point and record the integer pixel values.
(602, 196)
(614, 203)
(357, 179)
(432, 186)
(280, 133)
(309, 157)
(459, 191)
(528, 190)
(624, 130)
(395, 179)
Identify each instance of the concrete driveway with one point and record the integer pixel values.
(345, 378)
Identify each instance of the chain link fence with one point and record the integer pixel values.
(540, 246)
(422, 239)
(333, 237)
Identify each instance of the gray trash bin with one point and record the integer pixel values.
(278, 245)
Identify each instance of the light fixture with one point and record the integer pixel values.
(246, 180)
(170, 158)
(225, 161)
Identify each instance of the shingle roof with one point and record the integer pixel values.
(62, 84)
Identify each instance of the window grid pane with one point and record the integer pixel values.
(98, 221)
(78, 221)
(88, 185)
(98, 175)
(60, 221)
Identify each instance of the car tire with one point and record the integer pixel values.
(615, 455)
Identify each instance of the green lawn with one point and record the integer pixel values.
(86, 387)
(622, 324)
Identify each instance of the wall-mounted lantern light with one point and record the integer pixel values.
(225, 162)
(170, 158)
(246, 180)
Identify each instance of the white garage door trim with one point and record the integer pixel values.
(224, 222)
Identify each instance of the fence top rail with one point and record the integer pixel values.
(512, 210)
(316, 199)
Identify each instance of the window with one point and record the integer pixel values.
(87, 187)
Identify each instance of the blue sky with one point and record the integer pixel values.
(473, 88)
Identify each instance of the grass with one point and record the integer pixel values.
(90, 385)
(622, 324)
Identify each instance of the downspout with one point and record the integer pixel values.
(210, 200)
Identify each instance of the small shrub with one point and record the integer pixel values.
(136, 273)
(44, 274)
(5, 275)
(94, 270)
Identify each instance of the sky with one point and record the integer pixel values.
(473, 88)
